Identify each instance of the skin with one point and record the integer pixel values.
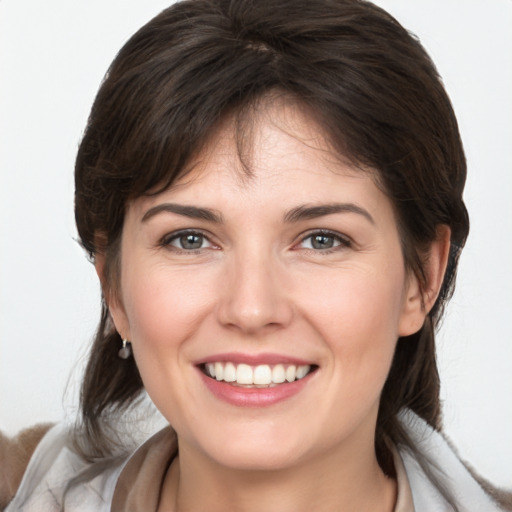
(257, 285)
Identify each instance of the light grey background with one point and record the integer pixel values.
(53, 55)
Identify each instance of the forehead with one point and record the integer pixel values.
(274, 132)
(277, 150)
(278, 126)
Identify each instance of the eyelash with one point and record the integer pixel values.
(339, 240)
(342, 241)
(167, 240)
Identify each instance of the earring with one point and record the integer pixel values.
(126, 351)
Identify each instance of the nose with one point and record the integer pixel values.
(254, 299)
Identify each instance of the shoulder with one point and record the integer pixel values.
(438, 475)
(57, 478)
(15, 454)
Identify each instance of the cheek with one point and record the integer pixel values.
(357, 314)
(163, 308)
(356, 301)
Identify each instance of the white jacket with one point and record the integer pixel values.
(46, 483)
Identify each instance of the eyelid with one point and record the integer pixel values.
(166, 240)
(344, 240)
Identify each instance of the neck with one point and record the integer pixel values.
(349, 482)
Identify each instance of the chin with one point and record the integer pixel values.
(268, 459)
(259, 452)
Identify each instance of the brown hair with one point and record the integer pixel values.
(366, 79)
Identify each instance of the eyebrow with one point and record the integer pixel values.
(192, 212)
(297, 214)
(306, 212)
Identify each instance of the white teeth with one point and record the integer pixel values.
(278, 374)
(261, 375)
(290, 373)
(302, 371)
(244, 374)
(219, 371)
(230, 372)
(210, 368)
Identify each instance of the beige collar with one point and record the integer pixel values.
(139, 485)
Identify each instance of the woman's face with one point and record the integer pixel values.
(264, 310)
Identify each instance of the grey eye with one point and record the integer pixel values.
(190, 241)
(186, 241)
(321, 241)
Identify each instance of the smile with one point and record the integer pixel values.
(262, 375)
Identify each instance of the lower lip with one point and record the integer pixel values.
(254, 397)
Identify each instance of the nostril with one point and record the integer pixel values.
(252, 300)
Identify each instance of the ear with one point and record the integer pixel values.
(419, 301)
(115, 307)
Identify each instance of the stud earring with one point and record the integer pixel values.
(126, 350)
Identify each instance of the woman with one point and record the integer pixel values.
(272, 197)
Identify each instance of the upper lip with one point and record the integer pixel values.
(253, 359)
